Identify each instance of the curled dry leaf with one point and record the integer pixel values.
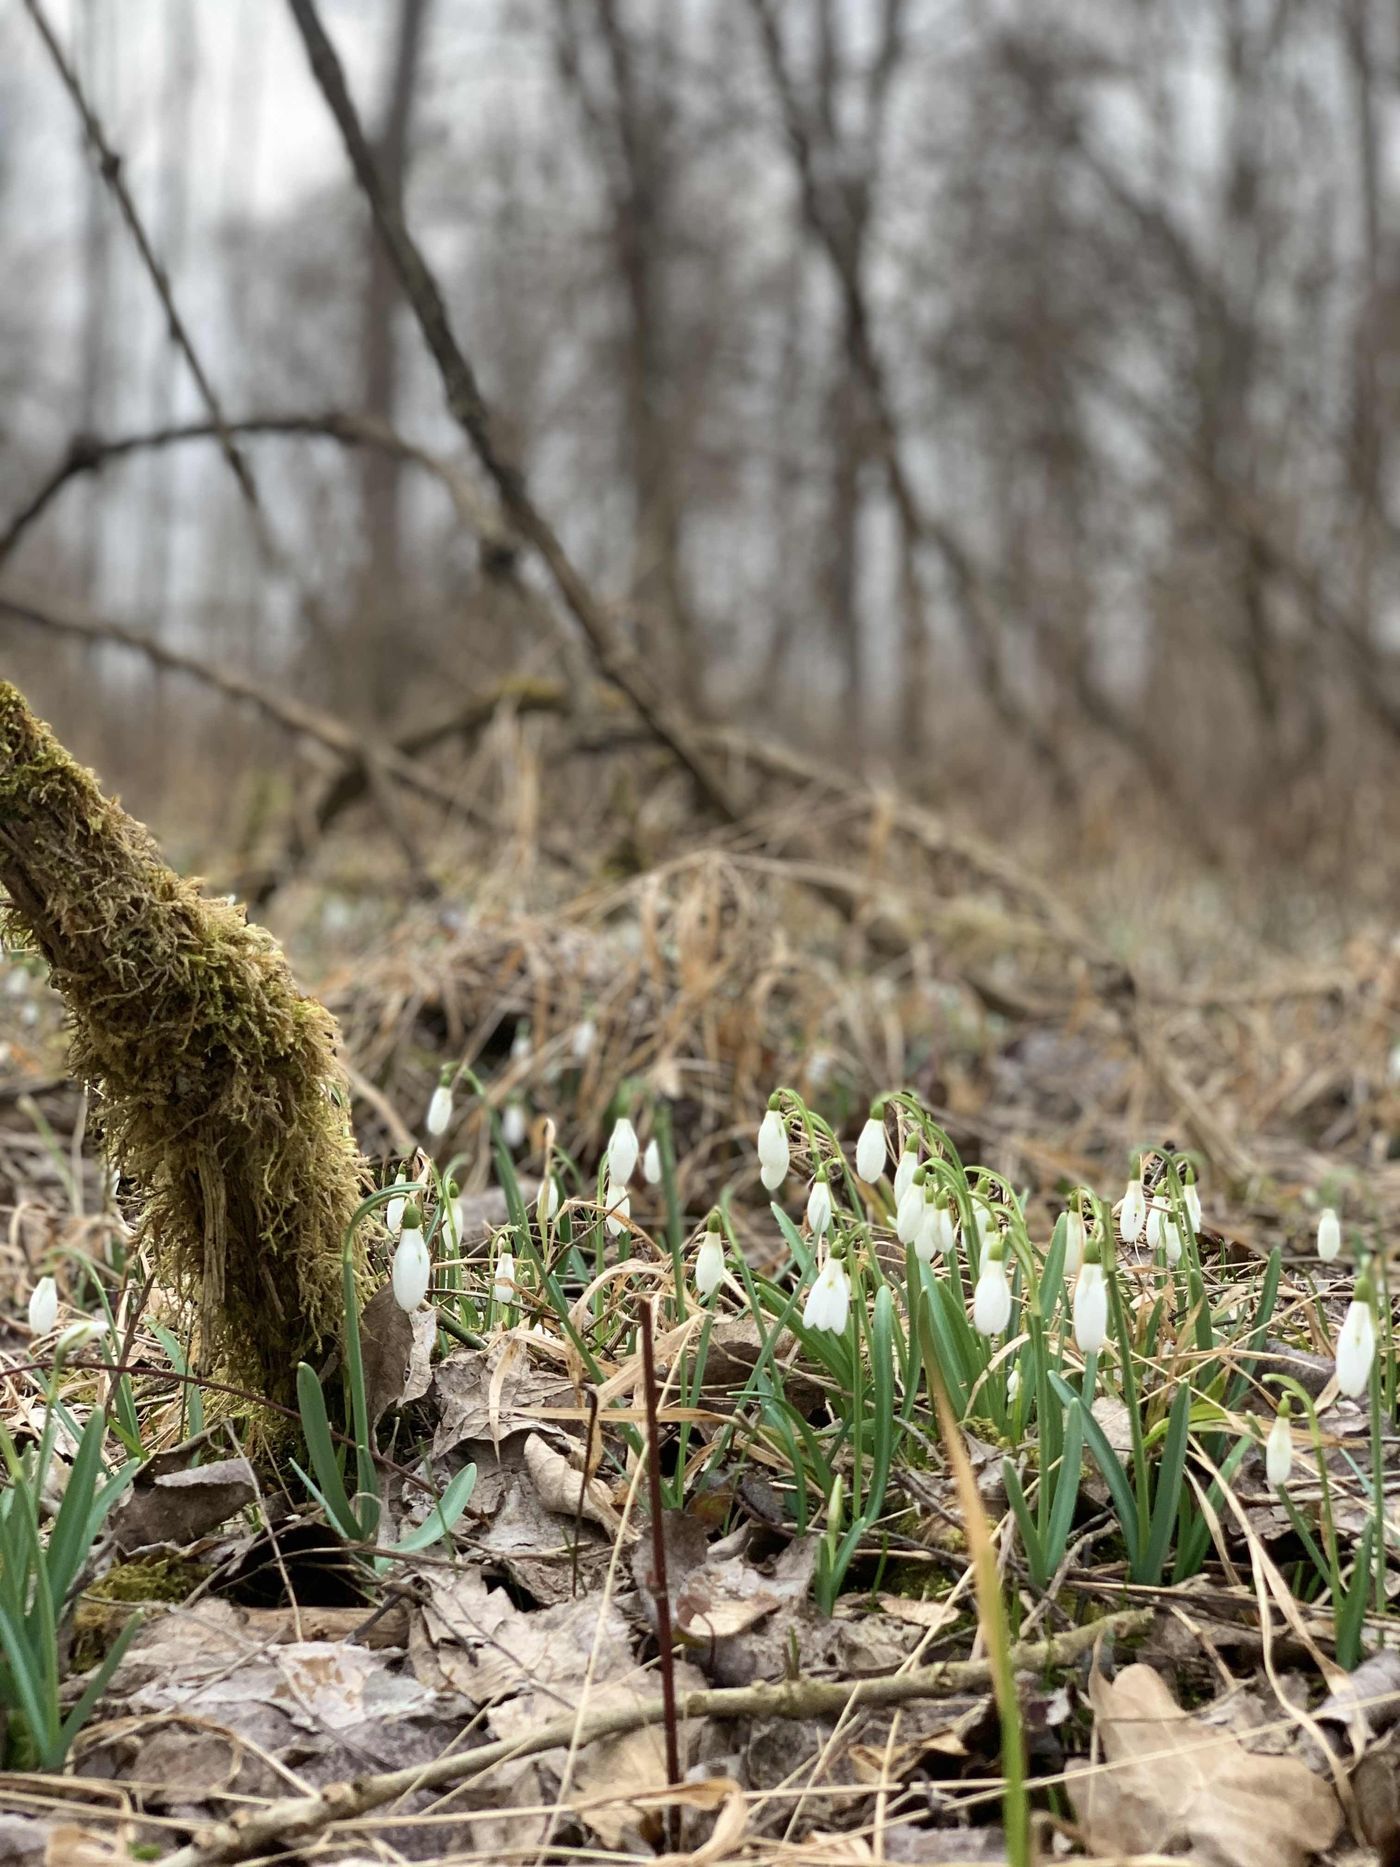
(563, 1489)
(1173, 1785)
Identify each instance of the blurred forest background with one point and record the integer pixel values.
(994, 400)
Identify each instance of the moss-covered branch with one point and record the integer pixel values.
(216, 1081)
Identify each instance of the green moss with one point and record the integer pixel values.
(162, 1578)
(214, 1078)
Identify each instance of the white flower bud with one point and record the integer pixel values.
(871, 1151)
(584, 1038)
(623, 1151)
(513, 1126)
(1091, 1309)
(1171, 1241)
(828, 1304)
(709, 1265)
(547, 1199)
(1278, 1451)
(79, 1334)
(909, 1215)
(617, 1202)
(1356, 1348)
(1132, 1213)
(819, 1208)
(991, 1300)
(43, 1306)
(1329, 1235)
(651, 1163)
(774, 1155)
(1013, 1387)
(1155, 1216)
(503, 1289)
(439, 1111)
(521, 1045)
(905, 1171)
(1191, 1199)
(412, 1267)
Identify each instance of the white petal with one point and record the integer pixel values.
(774, 1155)
(1132, 1214)
(1278, 1453)
(1329, 1235)
(43, 1306)
(503, 1289)
(909, 1216)
(904, 1172)
(547, 1199)
(991, 1301)
(439, 1111)
(651, 1163)
(819, 1207)
(709, 1265)
(871, 1151)
(1074, 1241)
(618, 1202)
(623, 1150)
(1091, 1310)
(412, 1269)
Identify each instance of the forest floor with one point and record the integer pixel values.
(929, 1594)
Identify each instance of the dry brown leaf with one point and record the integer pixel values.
(933, 1615)
(721, 1599)
(565, 1490)
(1174, 1785)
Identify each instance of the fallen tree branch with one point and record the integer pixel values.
(288, 1822)
(468, 406)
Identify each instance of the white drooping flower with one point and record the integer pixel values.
(774, 1155)
(819, 1207)
(991, 1300)
(1356, 1345)
(986, 1221)
(617, 1202)
(623, 1151)
(393, 1211)
(1074, 1240)
(1171, 1241)
(906, 1169)
(1013, 1387)
(79, 1334)
(709, 1265)
(1091, 1308)
(828, 1304)
(513, 1126)
(521, 1044)
(1191, 1199)
(651, 1163)
(1155, 1215)
(439, 1111)
(412, 1265)
(1278, 1450)
(928, 1238)
(503, 1288)
(1329, 1235)
(547, 1199)
(43, 1306)
(871, 1151)
(582, 1042)
(1132, 1213)
(909, 1215)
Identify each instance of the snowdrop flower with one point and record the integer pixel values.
(513, 1126)
(393, 1211)
(503, 1289)
(440, 1109)
(928, 1237)
(651, 1163)
(1171, 1241)
(945, 1231)
(43, 1306)
(1074, 1240)
(1191, 1199)
(618, 1203)
(828, 1304)
(584, 1038)
(986, 1221)
(1155, 1215)
(871, 1150)
(1356, 1345)
(1329, 1235)
(547, 1199)
(520, 1044)
(1091, 1307)
(904, 1172)
(991, 1300)
(412, 1265)
(709, 1264)
(774, 1155)
(909, 1215)
(1278, 1449)
(79, 1334)
(819, 1206)
(623, 1151)
(1013, 1387)
(1132, 1213)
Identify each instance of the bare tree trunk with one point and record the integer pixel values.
(380, 662)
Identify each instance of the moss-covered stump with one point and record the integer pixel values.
(216, 1081)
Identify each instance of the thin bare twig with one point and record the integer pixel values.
(469, 407)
